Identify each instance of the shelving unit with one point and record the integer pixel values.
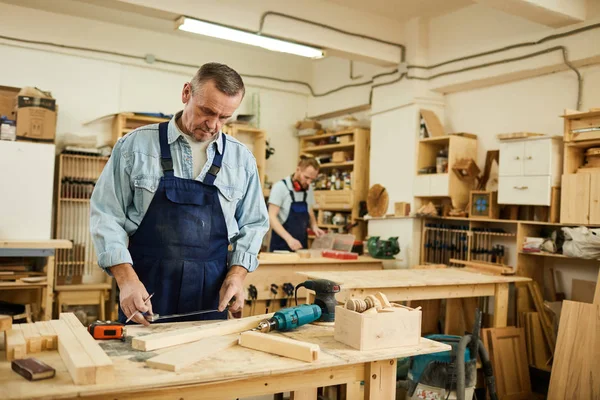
(445, 184)
(255, 140)
(356, 145)
(125, 122)
(77, 270)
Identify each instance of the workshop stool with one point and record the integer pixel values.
(83, 298)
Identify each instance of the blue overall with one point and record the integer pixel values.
(296, 224)
(179, 251)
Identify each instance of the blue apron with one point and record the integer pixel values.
(296, 224)
(180, 249)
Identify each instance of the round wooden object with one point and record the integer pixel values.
(377, 201)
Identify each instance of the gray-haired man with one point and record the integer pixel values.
(172, 198)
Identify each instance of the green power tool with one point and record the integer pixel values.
(290, 318)
(385, 249)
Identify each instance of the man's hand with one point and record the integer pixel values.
(294, 244)
(318, 231)
(233, 285)
(132, 293)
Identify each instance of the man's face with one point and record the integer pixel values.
(205, 112)
(306, 176)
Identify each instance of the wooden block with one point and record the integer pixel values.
(5, 323)
(79, 364)
(15, 344)
(583, 291)
(104, 369)
(187, 335)
(192, 353)
(401, 209)
(510, 362)
(49, 337)
(32, 337)
(275, 344)
(540, 351)
(575, 371)
(383, 299)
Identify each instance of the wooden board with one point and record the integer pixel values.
(432, 123)
(575, 369)
(79, 364)
(517, 135)
(5, 323)
(282, 346)
(182, 336)
(36, 244)
(189, 354)
(538, 300)
(486, 267)
(15, 344)
(32, 337)
(49, 337)
(539, 348)
(104, 370)
(583, 291)
(597, 292)
(510, 363)
(377, 201)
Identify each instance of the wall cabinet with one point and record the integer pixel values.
(580, 200)
(529, 168)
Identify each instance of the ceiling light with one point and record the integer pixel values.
(236, 35)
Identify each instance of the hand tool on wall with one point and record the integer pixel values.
(288, 289)
(252, 297)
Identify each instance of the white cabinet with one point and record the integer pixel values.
(432, 185)
(529, 168)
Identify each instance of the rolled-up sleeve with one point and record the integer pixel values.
(253, 223)
(110, 199)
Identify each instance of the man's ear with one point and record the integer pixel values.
(186, 93)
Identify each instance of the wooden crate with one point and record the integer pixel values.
(484, 204)
(339, 199)
(366, 331)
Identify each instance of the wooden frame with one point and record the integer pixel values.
(484, 204)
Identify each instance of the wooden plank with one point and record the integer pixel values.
(510, 363)
(189, 354)
(32, 337)
(15, 344)
(380, 380)
(597, 291)
(104, 370)
(583, 291)
(182, 336)
(49, 337)
(432, 123)
(460, 315)
(485, 267)
(304, 394)
(517, 135)
(575, 369)
(79, 364)
(540, 351)
(575, 199)
(36, 244)
(283, 346)
(538, 300)
(501, 305)
(5, 323)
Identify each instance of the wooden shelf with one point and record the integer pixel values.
(435, 139)
(75, 200)
(329, 147)
(327, 135)
(330, 226)
(347, 164)
(368, 218)
(83, 286)
(551, 255)
(505, 221)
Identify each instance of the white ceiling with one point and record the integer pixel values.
(403, 10)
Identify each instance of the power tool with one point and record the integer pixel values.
(325, 291)
(101, 330)
(290, 318)
(384, 249)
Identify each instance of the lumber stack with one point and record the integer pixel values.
(86, 362)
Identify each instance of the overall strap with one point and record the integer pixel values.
(166, 161)
(214, 169)
(292, 192)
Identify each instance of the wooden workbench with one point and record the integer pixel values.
(39, 248)
(424, 284)
(235, 372)
(278, 269)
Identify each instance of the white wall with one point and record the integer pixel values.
(89, 85)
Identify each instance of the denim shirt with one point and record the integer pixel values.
(127, 185)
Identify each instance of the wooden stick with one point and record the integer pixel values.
(486, 267)
(189, 354)
(187, 335)
(32, 337)
(5, 323)
(15, 344)
(104, 369)
(597, 291)
(78, 362)
(280, 345)
(49, 337)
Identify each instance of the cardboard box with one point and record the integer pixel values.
(339, 156)
(36, 115)
(8, 101)
(396, 327)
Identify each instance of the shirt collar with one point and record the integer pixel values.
(174, 133)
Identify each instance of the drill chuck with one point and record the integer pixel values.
(290, 318)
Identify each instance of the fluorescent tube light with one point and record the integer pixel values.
(236, 35)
